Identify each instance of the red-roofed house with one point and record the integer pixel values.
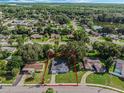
(33, 67)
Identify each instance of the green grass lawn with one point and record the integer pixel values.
(7, 81)
(106, 79)
(92, 54)
(36, 80)
(69, 77)
(64, 38)
(122, 40)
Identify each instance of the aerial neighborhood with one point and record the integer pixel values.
(49, 44)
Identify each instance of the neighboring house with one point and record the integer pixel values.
(97, 27)
(22, 23)
(112, 36)
(9, 49)
(33, 67)
(94, 64)
(119, 68)
(55, 36)
(95, 33)
(36, 36)
(121, 37)
(4, 43)
(3, 37)
(59, 67)
(71, 36)
(19, 22)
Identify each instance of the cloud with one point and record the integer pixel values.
(66, 1)
(49, 1)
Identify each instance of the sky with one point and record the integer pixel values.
(66, 1)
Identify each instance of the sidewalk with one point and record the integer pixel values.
(53, 79)
(84, 77)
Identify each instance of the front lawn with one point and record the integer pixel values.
(7, 81)
(36, 80)
(106, 79)
(69, 77)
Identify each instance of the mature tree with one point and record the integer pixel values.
(20, 40)
(4, 54)
(81, 36)
(62, 19)
(22, 30)
(107, 49)
(108, 63)
(2, 67)
(63, 50)
(15, 62)
(81, 50)
(31, 52)
(46, 48)
(76, 51)
(15, 71)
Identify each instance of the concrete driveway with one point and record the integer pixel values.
(60, 89)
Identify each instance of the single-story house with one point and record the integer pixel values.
(112, 36)
(36, 36)
(21, 23)
(9, 49)
(3, 36)
(4, 43)
(94, 64)
(119, 68)
(121, 37)
(55, 36)
(33, 67)
(97, 27)
(70, 36)
(59, 67)
(95, 33)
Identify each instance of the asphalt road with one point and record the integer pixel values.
(60, 89)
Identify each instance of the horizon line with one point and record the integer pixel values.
(3, 2)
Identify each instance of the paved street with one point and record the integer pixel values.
(60, 89)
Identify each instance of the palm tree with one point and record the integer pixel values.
(63, 50)
(77, 51)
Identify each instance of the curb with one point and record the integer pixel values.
(103, 86)
(6, 84)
